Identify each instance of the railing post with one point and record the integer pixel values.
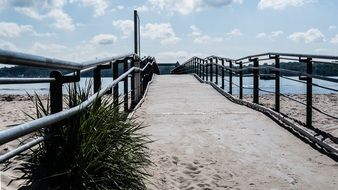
(56, 101)
(230, 77)
(211, 70)
(97, 81)
(136, 30)
(309, 93)
(195, 65)
(125, 86)
(56, 92)
(255, 81)
(206, 70)
(240, 80)
(223, 73)
(191, 65)
(277, 84)
(200, 67)
(137, 83)
(143, 78)
(203, 67)
(132, 86)
(116, 87)
(217, 71)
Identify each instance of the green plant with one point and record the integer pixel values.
(97, 149)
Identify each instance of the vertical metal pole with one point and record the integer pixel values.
(211, 70)
(203, 74)
(309, 93)
(230, 77)
(125, 86)
(143, 78)
(116, 87)
(136, 33)
(277, 84)
(240, 81)
(256, 81)
(137, 83)
(195, 65)
(217, 71)
(223, 73)
(200, 67)
(132, 86)
(55, 92)
(97, 81)
(206, 70)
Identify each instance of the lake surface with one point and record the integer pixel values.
(287, 86)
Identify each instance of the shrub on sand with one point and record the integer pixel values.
(98, 149)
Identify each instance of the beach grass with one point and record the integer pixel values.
(97, 149)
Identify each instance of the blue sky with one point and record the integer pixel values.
(171, 29)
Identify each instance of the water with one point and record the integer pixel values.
(43, 89)
(287, 86)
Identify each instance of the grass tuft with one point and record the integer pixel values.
(98, 149)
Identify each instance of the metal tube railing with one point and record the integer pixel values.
(56, 81)
(18, 58)
(255, 69)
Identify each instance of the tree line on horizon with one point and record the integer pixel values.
(26, 71)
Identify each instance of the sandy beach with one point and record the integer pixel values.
(328, 103)
(13, 110)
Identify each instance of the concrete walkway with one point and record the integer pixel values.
(204, 141)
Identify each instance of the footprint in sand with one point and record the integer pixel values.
(175, 160)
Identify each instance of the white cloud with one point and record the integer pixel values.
(126, 26)
(272, 36)
(48, 49)
(142, 8)
(11, 29)
(82, 52)
(320, 50)
(62, 20)
(200, 38)
(235, 32)
(29, 12)
(195, 31)
(173, 56)
(312, 35)
(104, 39)
(162, 31)
(7, 46)
(43, 9)
(332, 27)
(120, 7)
(207, 39)
(99, 6)
(334, 40)
(185, 7)
(281, 4)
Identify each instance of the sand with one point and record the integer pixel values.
(12, 112)
(328, 103)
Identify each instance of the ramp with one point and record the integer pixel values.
(204, 141)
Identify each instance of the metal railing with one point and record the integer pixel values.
(213, 68)
(136, 74)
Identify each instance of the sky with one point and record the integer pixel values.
(171, 30)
